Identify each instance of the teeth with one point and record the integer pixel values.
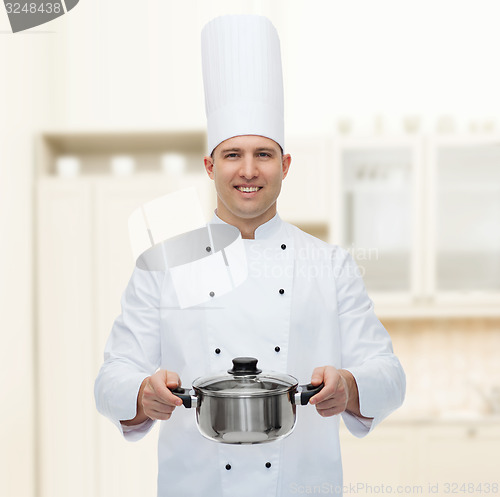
(248, 189)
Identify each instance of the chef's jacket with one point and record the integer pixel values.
(303, 305)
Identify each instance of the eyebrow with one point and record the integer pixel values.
(226, 150)
(265, 149)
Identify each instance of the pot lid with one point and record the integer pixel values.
(244, 379)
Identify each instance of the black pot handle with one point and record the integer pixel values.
(308, 391)
(184, 395)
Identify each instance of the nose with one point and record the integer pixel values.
(249, 168)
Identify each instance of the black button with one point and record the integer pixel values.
(209, 249)
(228, 467)
(268, 464)
(277, 349)
(217, 351)
(211, 294)
(282, 291)
(283, 246)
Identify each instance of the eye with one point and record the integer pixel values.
(231, 155)
(264, 154)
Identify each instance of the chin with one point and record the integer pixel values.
(248, 215)
(254, 214)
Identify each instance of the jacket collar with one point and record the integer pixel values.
(265, 231)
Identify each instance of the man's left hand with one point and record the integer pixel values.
(334, 397)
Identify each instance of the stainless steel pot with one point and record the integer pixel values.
(246, 405)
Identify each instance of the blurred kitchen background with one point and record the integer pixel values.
(393, 122)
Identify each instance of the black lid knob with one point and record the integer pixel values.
(244, 366)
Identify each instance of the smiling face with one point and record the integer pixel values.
(247, 171)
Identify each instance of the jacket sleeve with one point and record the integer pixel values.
(366, 350)
(132, 352)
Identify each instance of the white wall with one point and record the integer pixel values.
(26, 92)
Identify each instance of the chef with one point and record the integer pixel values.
(302, 309)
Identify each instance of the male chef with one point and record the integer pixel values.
(302, 309)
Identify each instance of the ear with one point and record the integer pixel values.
(209, 166)
(285, 164)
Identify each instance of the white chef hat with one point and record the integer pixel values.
(243, 80)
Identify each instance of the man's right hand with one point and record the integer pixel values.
(155, 400)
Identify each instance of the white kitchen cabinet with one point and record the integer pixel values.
(423, 457)
(376, 213)
(464, 239)
(422, 219)
(461, 454)
(65, 415)
(79, 268)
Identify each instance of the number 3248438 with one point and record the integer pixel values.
(33, 8)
